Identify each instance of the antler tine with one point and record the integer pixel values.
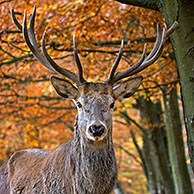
(51, 65)
(144, 62)
(120, 75)
(72, 76)
(109, 80)
(158, 47)
(30, 40)
(32, 19)
(155, 55)
(31, 28)
(18, 25)
(34, 47)
(125, 73)
(32, 44)
(157, 43)
(77, 60)
(171, 29)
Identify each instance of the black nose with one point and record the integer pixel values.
(97, 131)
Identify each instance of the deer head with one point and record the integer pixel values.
(94, 101)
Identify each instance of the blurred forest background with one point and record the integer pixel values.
(33, 116)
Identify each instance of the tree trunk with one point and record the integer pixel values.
(153, 181)
(149, 162)
(155, 148)
(183, 45)
(175, 144)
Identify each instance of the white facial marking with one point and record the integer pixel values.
(95, 110)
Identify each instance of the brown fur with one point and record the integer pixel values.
(85, 165)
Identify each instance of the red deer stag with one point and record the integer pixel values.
(86, 164)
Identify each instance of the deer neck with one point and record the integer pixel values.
(94, 165)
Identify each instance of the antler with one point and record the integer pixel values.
(46, 60)
(143, 62)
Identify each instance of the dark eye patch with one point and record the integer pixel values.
(112, 105)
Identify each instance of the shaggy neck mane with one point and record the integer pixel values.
(93, 166)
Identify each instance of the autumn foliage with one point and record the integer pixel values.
(32, 115)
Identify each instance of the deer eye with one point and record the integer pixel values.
(112, 105)
(79, 105)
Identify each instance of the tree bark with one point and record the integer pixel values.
(153, 180)
(155, 148)
(175, 144)
(183, 45)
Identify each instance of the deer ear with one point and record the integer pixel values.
(64, 88)
(127, 88)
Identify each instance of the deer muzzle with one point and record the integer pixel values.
(97, 131)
